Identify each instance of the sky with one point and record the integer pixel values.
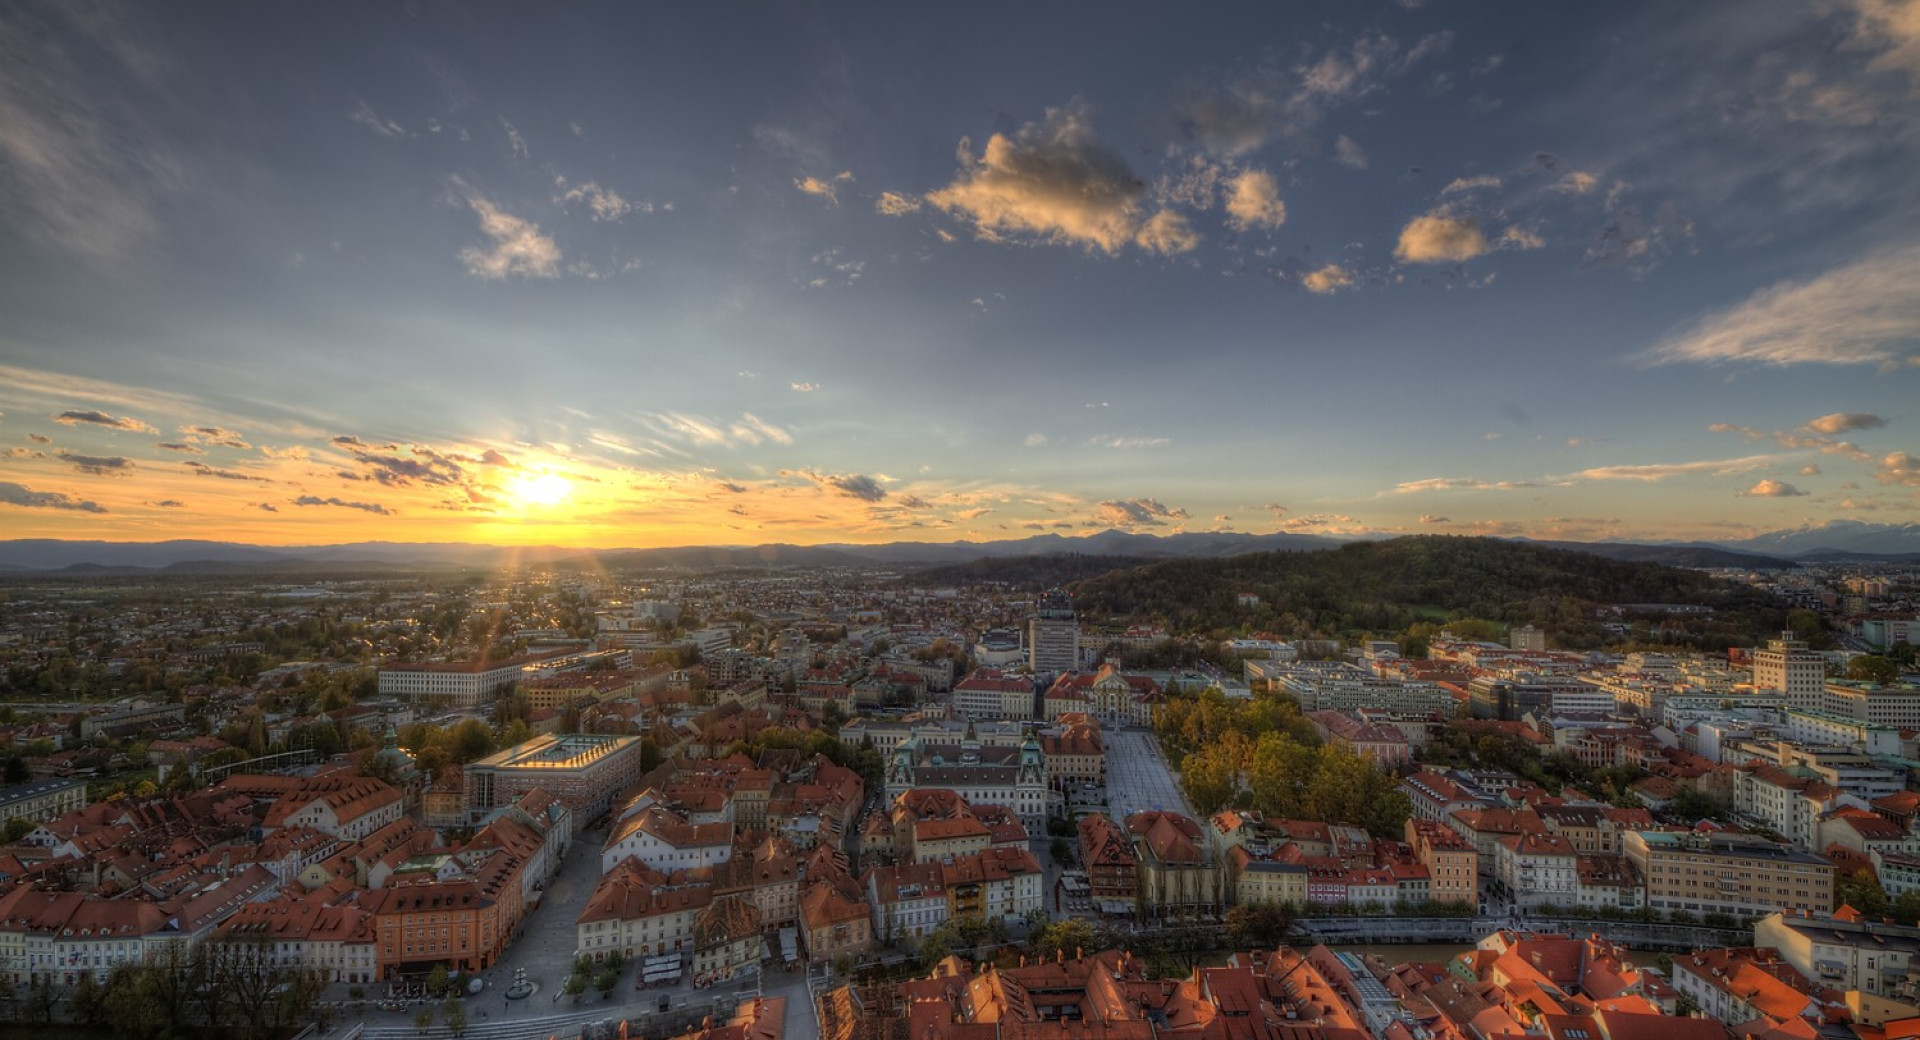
(631, 275)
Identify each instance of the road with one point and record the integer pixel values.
(1138, 778)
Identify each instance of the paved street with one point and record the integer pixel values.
(1138, 779)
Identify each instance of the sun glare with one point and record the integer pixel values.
(540, 489)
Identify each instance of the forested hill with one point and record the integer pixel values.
(1386, 587)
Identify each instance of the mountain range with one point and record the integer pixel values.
(1839, 539)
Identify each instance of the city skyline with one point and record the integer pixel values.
(620, 277)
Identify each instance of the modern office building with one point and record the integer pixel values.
(585, 771)
(1792, 672)
(1053, 635)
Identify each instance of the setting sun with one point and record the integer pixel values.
(540, 489)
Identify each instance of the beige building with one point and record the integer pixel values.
(42, 800)
(1790, 671)
(1728, 873)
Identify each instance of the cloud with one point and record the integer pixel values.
(1111, 441)
(267, 507)
(738, 489)
(1429, 518)
(1327, 280)
(515, 143)
(76, 417)
(803, 388)
(1236, 119)
(1864, 313)
(1348, 152)
(1036, 440)
(1654, 473)
(1771, 488)
(97, 465)
(518, 246)
(88, 123)
(1841, 422)
(25, 453)
(895, 204)
(1137, 512)
(215, 435)
(854, 485)
(39, 438)
(752, 429)
(1438, 238)
(1898, 468)
(205, 470)
(605, 204)
(369, 507)
(169, 503)
(420, 464)
(1460, 184)
(1798, 440)
(1413, 487)
(1578, 182)
(828, 188)
(21, 495)
(1891, 27)
(365, 116)
(973, 514)
(1167, 232)
(184, 449)
(1253, 201)
(1050, 181)
(1519, 238)
(1809, 470)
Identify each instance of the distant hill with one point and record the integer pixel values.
(1024, 572)
(1384, 587)
(1673, 555)
(48, 554)
(1848, 536)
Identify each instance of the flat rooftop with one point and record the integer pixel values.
(556, 751)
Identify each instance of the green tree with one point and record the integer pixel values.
(423, 1018)
(1873, 668)
(453, 1015)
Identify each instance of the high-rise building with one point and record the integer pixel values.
(1053, 635)
(1787, 669)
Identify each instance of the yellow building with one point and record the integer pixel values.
(1727, 872)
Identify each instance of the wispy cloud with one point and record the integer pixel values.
(1138, 512)
(895, 204)
(1413, 487)
(852, 485)
(365, 507)
(88, 417)
(604, 203)
(97, 465)
(364, 114)
(517, 247)
(21, 495)
(85, 155)
(1124, 443)
(827, 188)
(1655, 472)
(1864, 313)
